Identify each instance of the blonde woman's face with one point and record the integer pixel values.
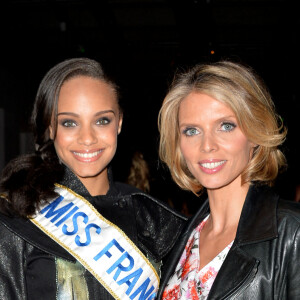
(215, 149)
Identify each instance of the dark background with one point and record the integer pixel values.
(141, 43)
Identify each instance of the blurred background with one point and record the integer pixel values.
(141, 44)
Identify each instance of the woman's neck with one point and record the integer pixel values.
(97, 185)
(226, 206)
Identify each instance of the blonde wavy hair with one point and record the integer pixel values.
(245, 93)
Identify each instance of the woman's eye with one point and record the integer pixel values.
(226, 126)
(190, 131)
(103, 121)
(68, 123)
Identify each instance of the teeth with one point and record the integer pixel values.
(87, 155)
(213, 165)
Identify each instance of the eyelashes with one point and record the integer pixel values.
(69, 123)
(103, 121)
(190, 131)
(224, 127)
(228, 126)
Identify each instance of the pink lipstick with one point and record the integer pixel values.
(211, 166)
(87, 156)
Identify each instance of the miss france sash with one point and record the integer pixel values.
(100, 246)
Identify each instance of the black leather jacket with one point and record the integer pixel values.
(264, 260)
(31, 263)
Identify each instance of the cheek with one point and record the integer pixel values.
(63, 141)
(186, 150)
(241, 149)
(109, 136)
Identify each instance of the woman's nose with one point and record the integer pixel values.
(87, 136)
(208, 143)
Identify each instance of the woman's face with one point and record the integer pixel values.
(88, 125)
(214, 147)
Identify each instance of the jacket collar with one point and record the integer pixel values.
(257, 223)
(71, 181)
(258, 220)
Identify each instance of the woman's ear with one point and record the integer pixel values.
(51, 132)
(120, 123)
(253, 149)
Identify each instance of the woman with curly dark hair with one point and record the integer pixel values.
(68, 231)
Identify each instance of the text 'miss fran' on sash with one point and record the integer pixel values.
(100, 246)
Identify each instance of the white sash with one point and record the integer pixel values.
(100, 246)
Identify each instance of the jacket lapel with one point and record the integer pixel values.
(237, 270)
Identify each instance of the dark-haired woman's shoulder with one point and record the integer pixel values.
(144, 200)
(158, 225)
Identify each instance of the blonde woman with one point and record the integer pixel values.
(220, 132)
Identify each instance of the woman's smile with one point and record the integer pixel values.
(88, 156)
(211, 166)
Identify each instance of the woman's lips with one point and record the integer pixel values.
(211, 166)
(87, 156)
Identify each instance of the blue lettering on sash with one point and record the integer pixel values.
(75, 223)
(59, 212)
(120, 267)
(105, 251)
(142, 289)
(67, 216)
(130, 279)
(50, 209)
(88, 235)
(135, 275)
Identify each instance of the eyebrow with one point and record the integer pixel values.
(216, 121)
(96, 114)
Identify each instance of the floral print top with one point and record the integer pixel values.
(188, 282)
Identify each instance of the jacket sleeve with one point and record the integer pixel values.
(12, 261)
(293, 278)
